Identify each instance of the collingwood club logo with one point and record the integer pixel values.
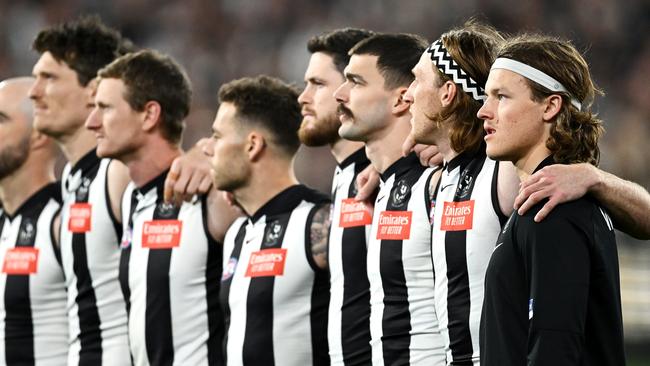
(82, 191)
(166, 210)
(400, 193)
(273, 233)
(27, 233)
(465, 186)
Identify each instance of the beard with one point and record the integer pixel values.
(323, 131)
(13, 157)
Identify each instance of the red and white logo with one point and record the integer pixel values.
(354, 213)
(457, 216)
(21, 261)
(161, 234)
(267, 263)
(80, 215)
(394, 225)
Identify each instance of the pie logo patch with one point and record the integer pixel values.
(267, 263)
(161, 234)
(354, 213)
(20, 261)
(457, 216)
(394, 225)
(80, 215)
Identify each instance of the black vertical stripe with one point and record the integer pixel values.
(224, 291)
(125, 256)
(19, 328)
(320, 297)
(355, 312)
(258, 337)
(89, 322)
(396, 320)
(458, 295)
(158, 315)
(212, 281)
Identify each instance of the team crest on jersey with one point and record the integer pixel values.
(229, 269)
(82, 191)
(127, 238)
(465, 186)
(272, 234)
(165, 210)
(27, 233)
(401, 192)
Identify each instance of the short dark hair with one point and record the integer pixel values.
(397, 55)
(338, 43)
(270, 103)
(574, 133)
(85, 45)
(151, 76)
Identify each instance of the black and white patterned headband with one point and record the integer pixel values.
(446, 64)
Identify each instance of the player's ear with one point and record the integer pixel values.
(151, 115)
(400, 106)
(255, 145)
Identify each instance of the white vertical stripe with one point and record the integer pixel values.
(337, 277)
(292, 296)
(374, 276)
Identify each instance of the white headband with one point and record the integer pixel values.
(535, 75)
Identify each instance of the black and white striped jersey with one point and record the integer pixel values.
(349, 311)
(273, 295)
(169, 275)
(552, 289)
(403, 322)
(33, 321)
(466, 221)
(90, 255)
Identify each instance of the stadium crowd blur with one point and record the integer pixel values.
(217, 41)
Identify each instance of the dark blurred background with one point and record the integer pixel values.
(217, 41)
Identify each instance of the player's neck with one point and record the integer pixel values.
(264, 185)
(150, 161)
(342, 148)
(76, 145)
(22, 184)
(386, 147)
(527, 164)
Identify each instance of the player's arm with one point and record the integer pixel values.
(220, 214)
(56, 230)
(189, 175)
(319, 235)
(556, 260)
(117, 180)
(628, 203)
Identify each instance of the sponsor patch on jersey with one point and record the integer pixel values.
(530, 308)
(457, 216)
(354, 213)
(21, 261)
(267, 263)
(229, 269)
(161, 234)
(80, 215)
(394, 225)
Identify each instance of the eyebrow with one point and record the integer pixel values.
(357, 77)
(3, 115)
(102, 104)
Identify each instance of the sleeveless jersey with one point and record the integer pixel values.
(466, 221)
(90, 255)
(349, 310)
(33, 321)
(169, 275)
(403, 322)
(273, 295)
